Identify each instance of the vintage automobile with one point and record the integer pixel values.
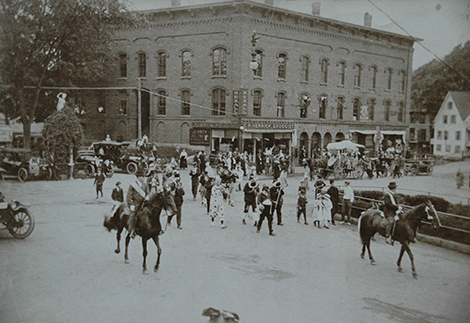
(418, 166)
(20, 162)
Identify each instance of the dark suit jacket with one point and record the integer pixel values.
(389, 207)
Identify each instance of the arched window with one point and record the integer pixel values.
(401, 111)
(402, 81)
(257, 99)
(259, 59)
(356, 108)
(324, 71)
(341, 72)
(123, 65)
(218, 102)
(282, 68)
(340, 108)
(357, 75)
(186, 63)
(142, 65)
(323, 106)
(373, 77)
(161, 64)
(371, 105)
(161, 102)
(389, 72)
(185, 102)
(219, 61)
(387, 105)
(281, 104)
(305, 62)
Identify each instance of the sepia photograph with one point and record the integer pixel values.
(255, 161)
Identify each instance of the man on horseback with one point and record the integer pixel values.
(391, 210)
(136, 195)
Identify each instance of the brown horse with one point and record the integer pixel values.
(372, 221)
(147, 226)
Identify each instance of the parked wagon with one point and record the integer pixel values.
(418, 166)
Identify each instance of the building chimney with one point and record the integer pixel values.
(175, 3)
(269, 2)
(316, 8)
(367, 20)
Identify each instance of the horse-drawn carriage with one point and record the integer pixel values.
(418, 166)
(339, 167)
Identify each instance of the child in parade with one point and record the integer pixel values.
(302, 204)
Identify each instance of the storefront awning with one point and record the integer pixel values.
(269, 130)
(365, 132)
(394, 132)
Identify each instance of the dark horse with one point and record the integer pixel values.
(147, 226)
(372, 221)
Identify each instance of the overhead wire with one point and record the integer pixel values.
(419, 42)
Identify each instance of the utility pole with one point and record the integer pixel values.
(139, 108)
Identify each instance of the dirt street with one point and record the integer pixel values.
(67, 271)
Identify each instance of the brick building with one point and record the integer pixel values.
(318, 80)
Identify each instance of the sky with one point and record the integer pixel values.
(442, 24)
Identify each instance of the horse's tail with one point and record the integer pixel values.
(361, 228)
(110, 223)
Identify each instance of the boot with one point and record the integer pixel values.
(388, 234)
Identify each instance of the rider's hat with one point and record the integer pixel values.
(392, 185)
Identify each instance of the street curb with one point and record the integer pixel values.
(452, 245)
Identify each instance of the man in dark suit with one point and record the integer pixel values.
(118, 193)
(333, 192)
(391, 210)
(275, 193)
(136, 194)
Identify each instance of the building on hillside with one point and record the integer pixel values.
(452, 126)
(420, 133)
(200, 76)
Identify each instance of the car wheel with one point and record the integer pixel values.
(23, 174)
(23, 224)
(132, 168)
(90, 170)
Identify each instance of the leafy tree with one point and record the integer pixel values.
(53, 43)
(62, 131)
(432, 81)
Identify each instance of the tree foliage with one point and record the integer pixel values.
(432, 81)
(53, 43)
(62, 131)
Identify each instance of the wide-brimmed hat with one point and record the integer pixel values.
(392, 185)
(277, 184)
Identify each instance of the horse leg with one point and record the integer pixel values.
(410, 254)
(372, 260)
(126, 253)
(363, 250)
(159, 252)
(144, 255)
(118, 239)
(402, 251)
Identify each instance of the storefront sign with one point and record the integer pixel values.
(215, 125)
(236, 101)
(268, 125)
(199, 137)
(244, 97)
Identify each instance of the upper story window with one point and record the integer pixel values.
(142, 65)
(257, 100)
(457, 135)
(357, 75)
(186, 63)
(281, 105)
(422, 135)
(218, 102)
(305, 62)
(123, 65)
(453, 118)
(341, 72)
(304, 103)
(324, 71)
(161, 64)
(387, 105)
(439, 135)
(412, 133)
(444, 119)
(340, 108)
(356, 108)
(161, 102)
(446, 135)
(219, 61)
(185, 102)
(371, 109)
(282, 66)
(449, 105)
(373, 77)
(259, 59)
(389, 73)
(401, 111)
(422, 118)
(323, 105)
(402, 81)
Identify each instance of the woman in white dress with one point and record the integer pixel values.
(217, 206)
(322, 210)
